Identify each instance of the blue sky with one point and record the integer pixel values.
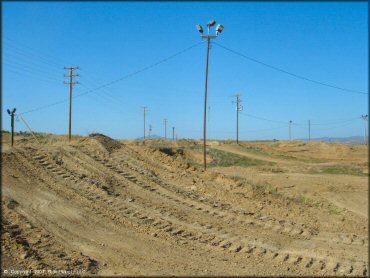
(324, 41)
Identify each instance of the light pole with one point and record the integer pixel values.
(219, 29)
(12, 113)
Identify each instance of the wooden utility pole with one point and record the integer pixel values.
(71, 83)
(12, 113)
(145, 110)
(239, 108)
(290, 130)
(165, 129)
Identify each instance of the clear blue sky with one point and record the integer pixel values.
(324, 41)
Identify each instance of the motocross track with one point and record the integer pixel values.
(106, 207)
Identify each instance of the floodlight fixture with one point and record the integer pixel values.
(219, 28)
(211, 23)
(11, 112)
(200, 28)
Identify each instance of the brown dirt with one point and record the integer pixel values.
(99, 206)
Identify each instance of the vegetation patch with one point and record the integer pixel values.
(340, 170)
(226, 159)
(307, 201)
(334, 210)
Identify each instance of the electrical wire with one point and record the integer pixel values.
(89, 79)
(104, 97)
(116, 80)
(30, 51)
(301, 124)
(263, 119)
(31, 75)
(337, 126)
(290, 73)
(338, 122)
(30, 70)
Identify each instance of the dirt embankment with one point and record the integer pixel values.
(107, 207)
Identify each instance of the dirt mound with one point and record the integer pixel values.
(101, 206)
(106, 142)
(298, 149)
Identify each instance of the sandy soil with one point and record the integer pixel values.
(99, 206)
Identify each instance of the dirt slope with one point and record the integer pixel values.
(102, 207)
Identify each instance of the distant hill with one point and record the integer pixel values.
(343, 140)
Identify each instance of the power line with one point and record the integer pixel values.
(94, 83)
(31, 75)
(115, 81)
(290, 73)
(26, 57)
(300, 124)
(104, 97)
(263, 119)
(29, 128)
(31, 67)
(338, 122)
(16, 45)
(337, 126)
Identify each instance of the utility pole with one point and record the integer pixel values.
(219, 29)
(165, 129)
(239, 108)
(12, 113)
(173, 133)
(309, 130)
(364, 117)
(150, 131)
(145, 110)
(71, 83)
(290, 130)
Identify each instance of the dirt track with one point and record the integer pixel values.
(99, 206)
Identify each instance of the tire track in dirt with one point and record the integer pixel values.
(227, 244)
(36, 246)
(232, 217)
(103, 199)
(205, 204)
(134, 210)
